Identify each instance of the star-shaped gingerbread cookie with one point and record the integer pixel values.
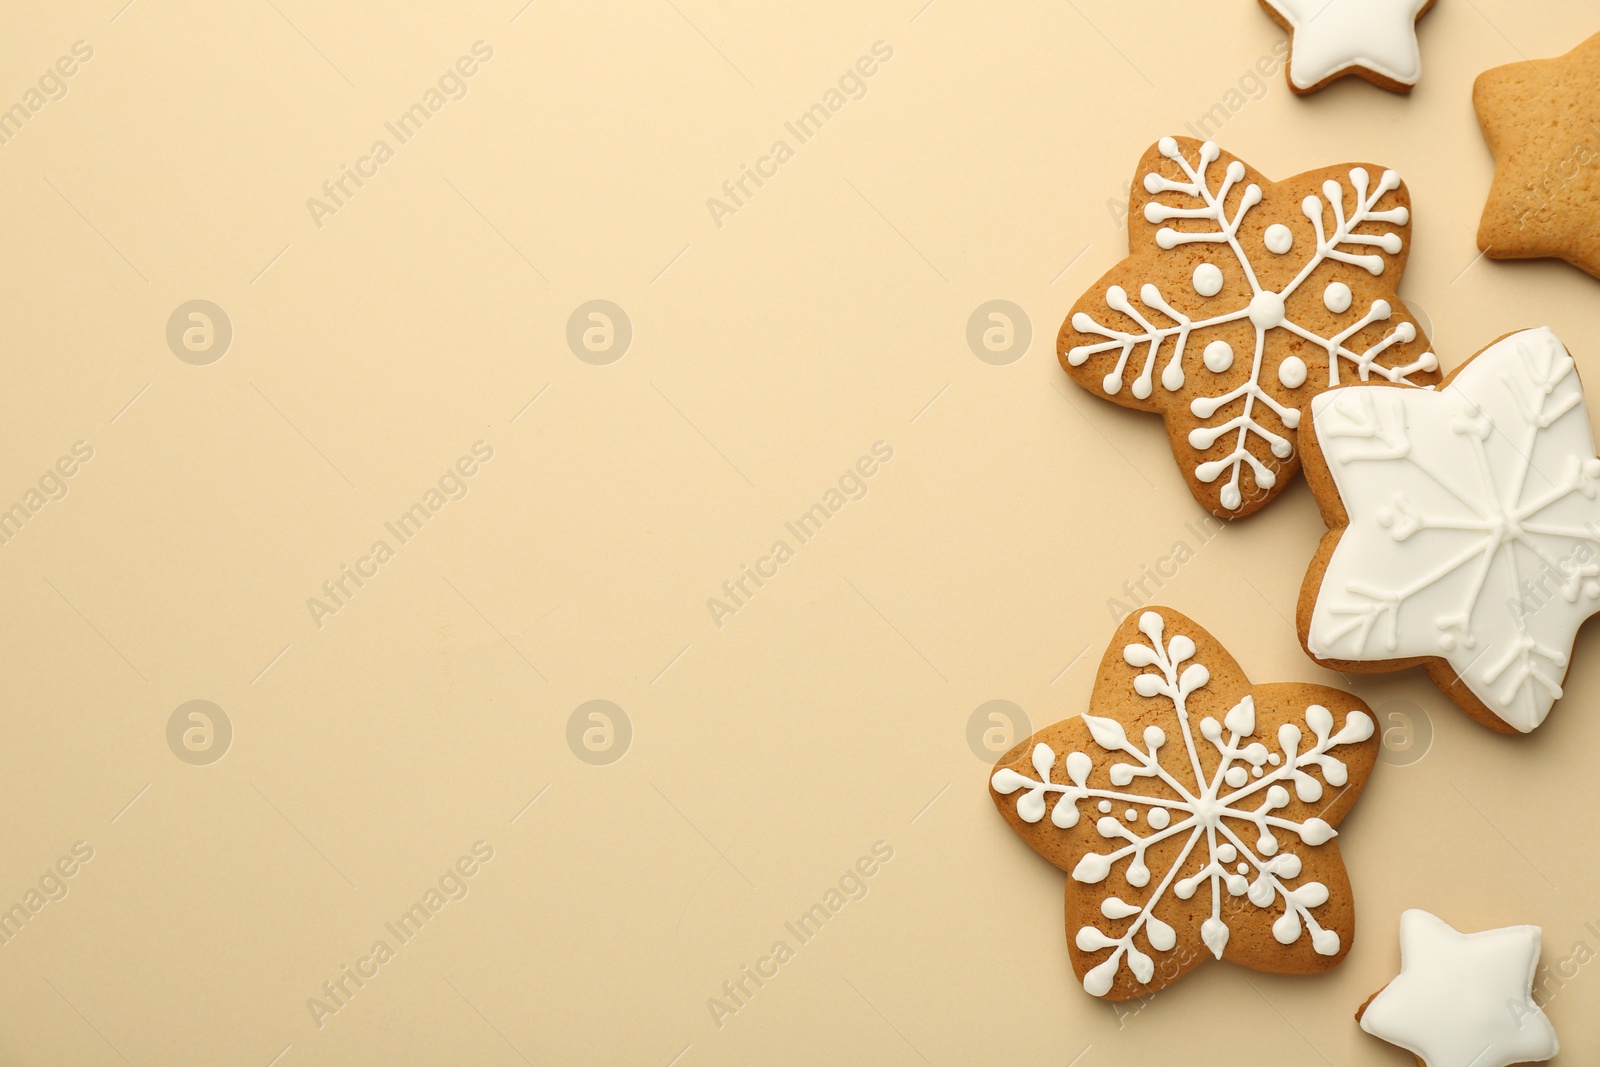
(1373, 39)
(1463, 1000)
(1194, 812)
(1541, 120)
(1463, 529)
(1240, 300)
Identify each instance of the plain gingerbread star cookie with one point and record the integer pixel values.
(1463, 1000)
(1539, 119)
(1463, 529)
(1194, 812)
(1373, 39)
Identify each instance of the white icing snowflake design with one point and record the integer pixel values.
(1347, 232)
(1473, 525)
(1236, 843)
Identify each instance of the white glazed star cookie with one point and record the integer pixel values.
(1372, 39)
(1464, 529)
(1463, 1000)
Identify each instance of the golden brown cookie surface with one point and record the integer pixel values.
(1539, 120)
(1240, 300)
(1193, 812)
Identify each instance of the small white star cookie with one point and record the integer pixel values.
(1373, 39)
(1463, 1000)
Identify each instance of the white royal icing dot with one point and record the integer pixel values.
(1104, 806)
(1158, 818)
(1266, 310)
(1336, 297)
(1278, 239)
(1218, 356)
(1208, 279)
(1292, 372)
(1131, 815)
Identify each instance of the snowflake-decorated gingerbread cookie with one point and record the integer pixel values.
(1193, 812)
(1463, 529)
(1241, 299)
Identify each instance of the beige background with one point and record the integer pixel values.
(769, 353)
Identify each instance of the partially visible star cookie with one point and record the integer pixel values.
(1542, 123)
(1462, 1000)
(1373, 39)
(1463, 529)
